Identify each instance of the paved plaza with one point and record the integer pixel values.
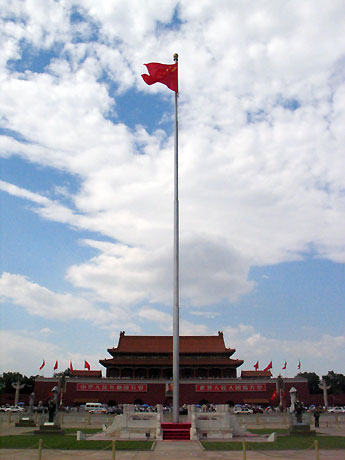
(172, 450)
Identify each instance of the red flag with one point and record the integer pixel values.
(162, 73)
(56, 365)
(87, 365)
(285, 364)
(70, 366)
(299, 364)
(256, 365)
(274, 395)
(269, 366)
(43, 364)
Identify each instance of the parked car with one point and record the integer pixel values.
(336, 410)
(14, 409)
(242, 410)
(258, 410)
(114, 410)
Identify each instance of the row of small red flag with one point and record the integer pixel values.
(56, 365)
(269, 366)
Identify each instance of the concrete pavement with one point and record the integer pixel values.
(171, 450)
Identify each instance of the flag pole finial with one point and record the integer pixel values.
(175, 57)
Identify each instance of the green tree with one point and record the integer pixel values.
(313, 381)
(336, 381)
(7, 378)
(66, 373)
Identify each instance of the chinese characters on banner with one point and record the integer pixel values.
(231, 387)
(111, 387)
(141, 388)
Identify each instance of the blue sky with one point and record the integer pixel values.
(86, 183)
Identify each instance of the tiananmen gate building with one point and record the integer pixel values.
(140, 372)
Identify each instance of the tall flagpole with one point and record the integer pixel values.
(176, 312)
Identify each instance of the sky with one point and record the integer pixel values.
(86, 186)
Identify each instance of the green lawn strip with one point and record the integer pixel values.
(268, 430)
(283, 443)
(67, 442)
(83, 430)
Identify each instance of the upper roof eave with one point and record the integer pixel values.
(164, 344)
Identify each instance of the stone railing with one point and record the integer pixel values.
(136, 425)
(220, 424)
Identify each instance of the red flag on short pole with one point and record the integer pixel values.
(274, 395)
(162, 73)
(56, 365)
(256, 365)
(285, 364)
(299, 365)
(87, 365)
(43, 364)
(268, 367)
(71, 366)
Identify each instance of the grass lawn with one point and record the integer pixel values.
(68, 442)
(268, 430)
(83, 430)
(283, 443)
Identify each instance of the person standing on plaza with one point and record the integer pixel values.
(316, 417)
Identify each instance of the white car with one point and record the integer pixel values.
(101, 410)
(13, 409)
(336, 410)
(243, 410)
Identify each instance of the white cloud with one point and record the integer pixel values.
(130, 275)
(40, 301)
(25, 353)
(206, 314)
(161, 319)
(164, 321)
(319, 355)
(258, 193)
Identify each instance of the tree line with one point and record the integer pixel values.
(8, 378)
(334, 380)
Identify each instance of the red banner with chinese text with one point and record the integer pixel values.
(231, 387)
(137, 388)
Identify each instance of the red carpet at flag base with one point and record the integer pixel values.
(176, 431)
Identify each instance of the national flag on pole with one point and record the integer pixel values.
(87, 365)
(56, 365)
(256, 365)
(168, 75)
(162, 73)
(71, 366)
(268, 367)
(299, 365)
(285, 364)
(42, 365)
